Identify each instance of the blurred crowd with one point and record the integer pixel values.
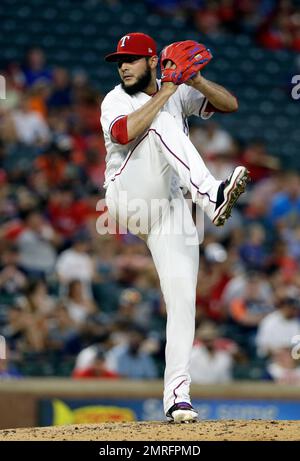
(274, 23)
(76, 303)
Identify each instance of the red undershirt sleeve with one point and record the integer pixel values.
(119, 132)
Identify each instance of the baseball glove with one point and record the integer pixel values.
(188, 56)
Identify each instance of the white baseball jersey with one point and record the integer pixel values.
(184, 102)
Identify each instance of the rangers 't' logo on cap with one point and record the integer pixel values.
(134, 43)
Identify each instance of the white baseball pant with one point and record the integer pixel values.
(146, 174)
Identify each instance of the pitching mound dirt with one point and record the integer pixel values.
(204, 430)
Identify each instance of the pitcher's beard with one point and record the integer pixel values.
(142, 83)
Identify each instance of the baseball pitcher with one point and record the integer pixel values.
(151, 159)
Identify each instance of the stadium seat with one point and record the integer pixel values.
(79, 34)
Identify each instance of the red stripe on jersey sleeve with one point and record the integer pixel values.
(119, 130)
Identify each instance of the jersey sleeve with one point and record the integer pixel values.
(194, 102)
(113, 108)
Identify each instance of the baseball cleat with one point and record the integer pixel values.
(228, 193)
(182, 412)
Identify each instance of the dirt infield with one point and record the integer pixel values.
(201, 431)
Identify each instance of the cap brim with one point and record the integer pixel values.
(113, 57)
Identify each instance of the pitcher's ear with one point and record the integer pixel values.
(153, 61)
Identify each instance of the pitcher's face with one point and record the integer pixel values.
(135, 73)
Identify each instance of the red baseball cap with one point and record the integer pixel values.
(136, 43)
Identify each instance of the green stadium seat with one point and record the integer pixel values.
(154, 20)
(231, 53)
(281, 122)
(272, 67)
(49, 14)
(292, 110)
(11, 54)
(177, 23)
(76, 16)
(128, 18)
(222, 65)
(9, 26)
(24, 12)
(37, 27)
(256, 54)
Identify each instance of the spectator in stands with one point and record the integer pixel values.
(53, 165)
(23, 332)
(63, 335)
(76, 263)
(216, 146)
(296, 38)
(253, 251)
(133, 309)
(67, 213)
(35, 68)
(258, 161)
(38, 95)
(285, 206)
(212, 358)
(60, 96)
(292, 239)
(94, 366)
(282, 368)
(12, 95)
(86, 108)
(36, 300)
(206, 19)
(278, 328)
(26, 200)
(7, 368)
(12, 278)
(237, 287)
(79, 306)
(94, 164)
(285, 214)
(262, 195)
(211, 140)
(213, 277)
(27, 126)
(15, 74)
(80, 83)
(275, 32)
(36, 244)
(247, 311)
(130, 360)
(283, 264)
(13, 330)
(228, 15)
